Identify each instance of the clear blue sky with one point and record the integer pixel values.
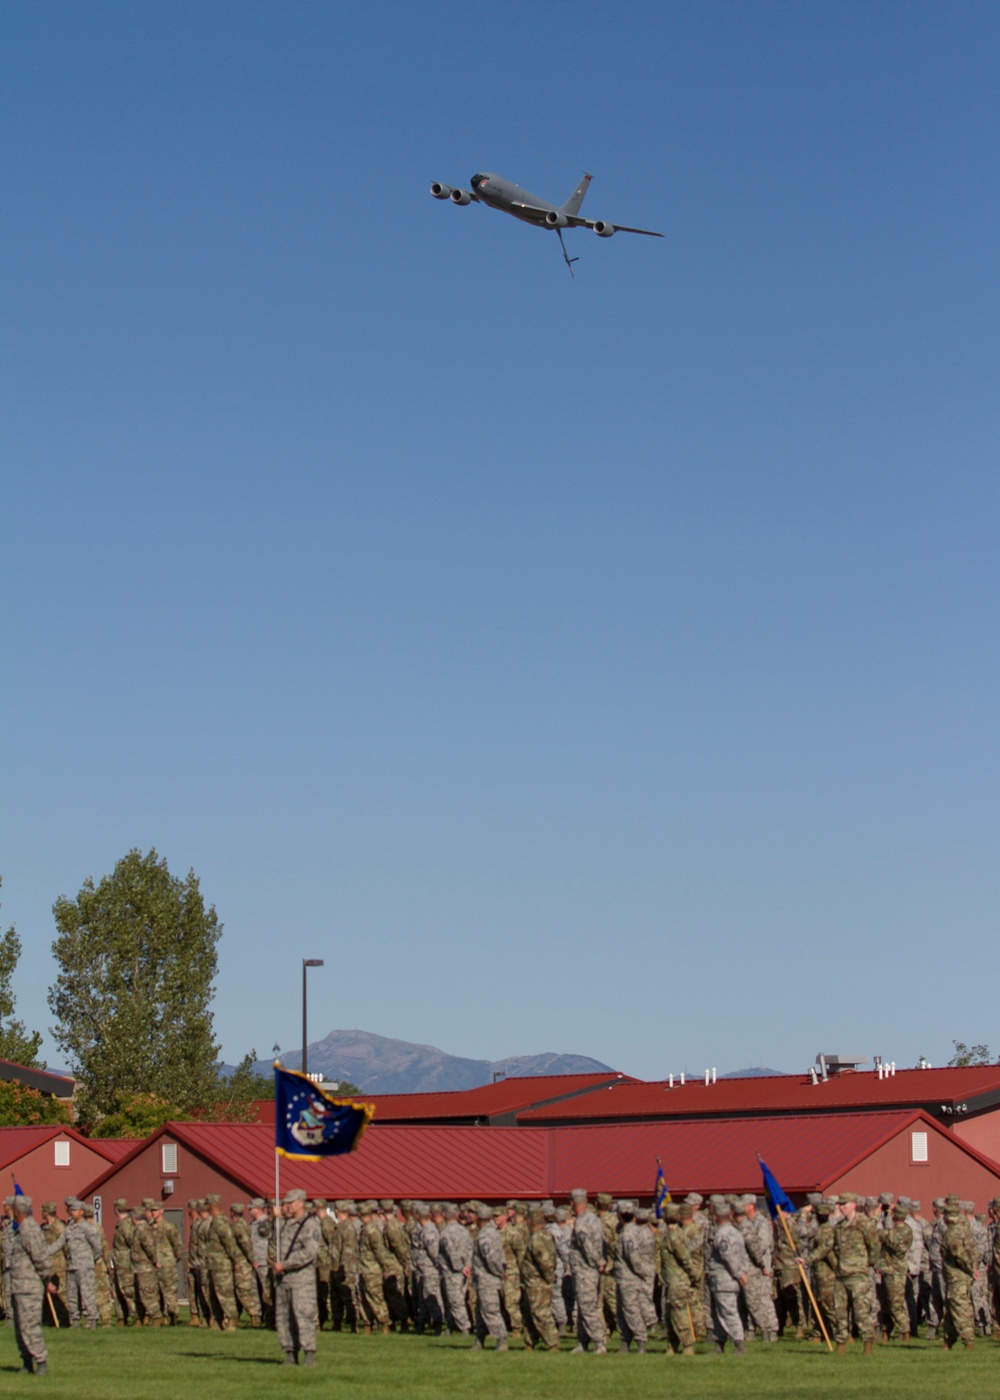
(607, 666)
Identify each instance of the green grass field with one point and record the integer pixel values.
(186, 1362)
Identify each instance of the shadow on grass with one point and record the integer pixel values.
(240, 1360)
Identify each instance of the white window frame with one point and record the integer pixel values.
(168, 1158)
(920, 1148)
(60, 1152)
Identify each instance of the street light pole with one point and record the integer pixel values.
(306, 964)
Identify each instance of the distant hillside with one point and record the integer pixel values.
(754, 1072)
(379, 1065)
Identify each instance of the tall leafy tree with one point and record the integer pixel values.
(16, 1043)
(970, 1054)
(137, 961)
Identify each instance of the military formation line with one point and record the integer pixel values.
(837, 1269)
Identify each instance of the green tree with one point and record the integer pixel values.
(20, 1105)
(137, 959)
(970, 1054)
(16, 1043)
(140, 1115)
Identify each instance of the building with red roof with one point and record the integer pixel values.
(964, 1099)
(50, 1161)
(905, 1151)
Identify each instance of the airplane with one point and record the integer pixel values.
(499, 193)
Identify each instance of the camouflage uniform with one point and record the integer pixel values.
(324, 1259)
(199, 1244)
(103, 1276)
(823, 1262)
(295, 1286)
(489, 1264)
(635, 1277)
(609, 1283)
(788, 1301)
(586, 1258)
(221, 1255)
(557, 1233)
(121, 1255)
(424, 1245)
(727, 1262)
(538, 1272)
(81, 1244)
(144, 1271)
(959, 1256)
(895, 1246)
(261, 1231)
(513, 1245)
(980, 1286)
(244, 1278)
(349, 1286)
(759, 1240)
(29, 1270)
(372, 1260)
(678, 1278)
(853, 1287)
(694, 1227)
(397, 1245)
(454, 1257)
(51, 1231)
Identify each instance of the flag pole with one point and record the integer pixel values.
(802, 1274)
(277, 1205)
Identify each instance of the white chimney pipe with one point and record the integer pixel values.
(713, 1074)
(671, 1081)
(682, 1079)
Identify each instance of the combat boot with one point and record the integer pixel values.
(623, 1349)
(386, 1329)
(841, 1348)
(688, 1351)
(800, 1332)
(291, 1359)
(501, 1346)
(600, 1349)
(477, 1345)
(969, 1346)
(739, 1348)
(309, 1358)
(641, 1348)
(867, 1348)
(41, 1368)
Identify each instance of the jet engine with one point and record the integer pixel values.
(603, 229)
(461, 197)
(553, 219)
(440, 191)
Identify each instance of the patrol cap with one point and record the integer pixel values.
(749, 1199)
(237, 1208)
(450, 1211)
(951, 1200)
(147, 1203)
(952, 1213)
(88, 1212)
(693, 1199)
(578, 1194)
(257, 1203)
(903, 1201)
(71, 1203)
(537, 1216)
(549, 1210)
(423, 1209)
(939, 1203)
(848, 1198)
(886, 1198)
(120, 1204)
(722, 1209)
(823, 1208)
(674, 1212)
(191, 1205)
(351, 1207)
(49, 1207)
(368, 1207)
(562, 1214)
(738, 1208)
(213, 1198)
(604, 1199)
(915, 1206)
(498, 1211)
(899, 1211)
(319, 1203)
(967, 1206)
(627, 1209)
(22, 1204)
(296, 1194)
(685, 1211)
(387, 1205)
(406, 1203)
(715, 1200)
(871, 1202)
(814, 1198)
(642, 1214)
(484, 1212)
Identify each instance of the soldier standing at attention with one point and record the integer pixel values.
(373, 1259)
(759, 1240)
(894, 1248)
(221, 1254)
(81, 1244)
(261, 1230)
(143, 1258)
(244, 1280)
(635, 1267)
(455, 1268)
(52, 1227)
(397, 1243)
(994, 1268)
(293, 1256)
(513, 1245)
(196, 1308)
(726, 1274)
(586, 1256)
(538, 1273)
(318, 1208)
(169, 1254)
(853, 1286)
(678, 1279)
(610, 1224)
(349, 1287)
(489, 1264)
(121, 1255)
(424, 1245)
(103, 1275)
(960, 1259)
(30, 1271)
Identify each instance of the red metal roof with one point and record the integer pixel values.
(489, 1101)
(114, 1148)
(806, 1153)
(769, 1094)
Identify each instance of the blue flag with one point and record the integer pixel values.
(776, 1198)
(660, 1193)
(311, 1125)
(17, 1190)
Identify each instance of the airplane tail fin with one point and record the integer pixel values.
(572, 205)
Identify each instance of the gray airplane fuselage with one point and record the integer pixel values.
(504, 195)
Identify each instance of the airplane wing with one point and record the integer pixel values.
(531, 208)
(619, 228)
